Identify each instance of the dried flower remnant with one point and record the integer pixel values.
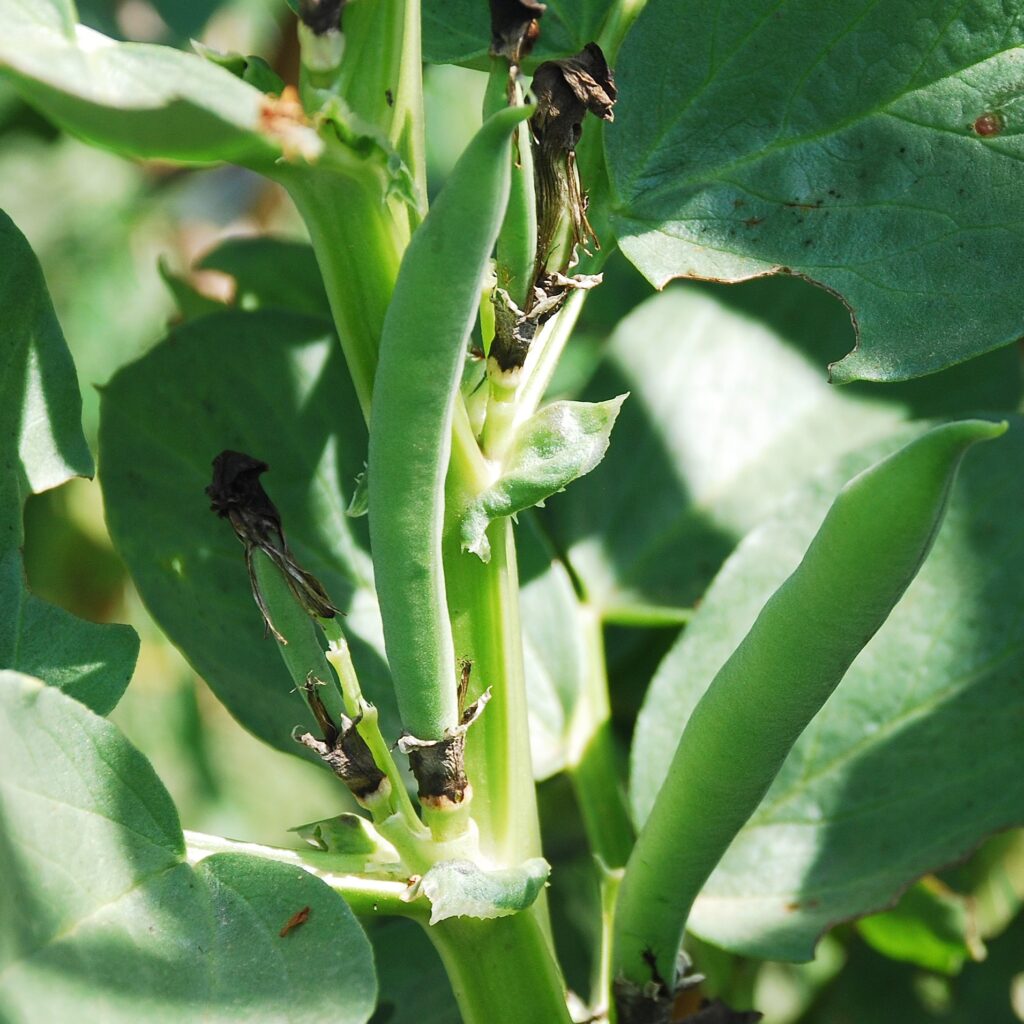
(514, 28)
(321, 16)
(344, 750)
(565, 90)
(237, 495)
(283, 119)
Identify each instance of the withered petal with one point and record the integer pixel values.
(514, 27)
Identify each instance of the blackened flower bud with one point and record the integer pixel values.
(565, 90)
(321, 15)
(237, 495)
(514, 27)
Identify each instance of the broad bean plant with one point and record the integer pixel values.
(785, 572)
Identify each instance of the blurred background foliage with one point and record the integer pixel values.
(113, 237)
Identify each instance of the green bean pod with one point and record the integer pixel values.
(516, 255)
(869, 547)
(421, 355)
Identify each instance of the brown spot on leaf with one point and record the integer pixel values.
(989, 124)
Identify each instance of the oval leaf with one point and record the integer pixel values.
(274, 385)
(730, 409)
(460, 888)
(103, 921)
(459, 31)
(41, 446)
(887, 782)
(134, 98)
(555, 446)
(876, 150)
(41, 439)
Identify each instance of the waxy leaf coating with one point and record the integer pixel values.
(103, 921)
(874, 148)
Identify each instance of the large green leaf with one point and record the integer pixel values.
(134, 98)
(913, 759)
(274, 385)
(459, 31)
(840, 141)
(41, 440)
(729, 409)
(41, 446)
(103, 920)
(91, 662)
(271, 273)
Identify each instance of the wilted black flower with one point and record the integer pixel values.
(237, 495)
(514, 27)
(321, 15)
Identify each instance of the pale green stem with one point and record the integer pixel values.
(359, 249)
(371, 897)
(502, 971)
(601, 994)
(619, 21)
(483, 602)
(647, 616)
(544, 354)
(592, 757)
(365, 717)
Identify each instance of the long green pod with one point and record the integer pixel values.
(421, 355)
(516, 255)
(869, 547)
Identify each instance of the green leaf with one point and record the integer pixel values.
(910, 763)
(254, 70)
(413, 985)
(555, 446)
(274, 385)
(42, 446)
(138, 99)
(459, 31)
(349, 835)
(271, 273)
(91, 662)
(41, 440)
(729, 410)
(460, 888)
(928, 927)
(852, 156)
(103, 920)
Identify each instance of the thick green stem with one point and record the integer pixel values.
(483, 600)
(359, 249)
(381, 76)
(501, 971)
